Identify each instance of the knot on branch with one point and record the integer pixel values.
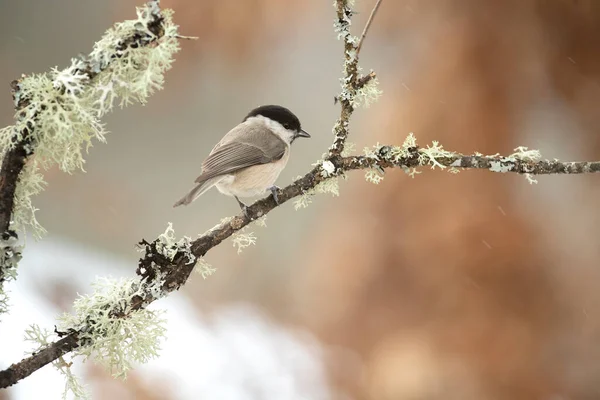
(58, 113)
(168, 259)
(407, 156)
(156, 263)
(363, 80)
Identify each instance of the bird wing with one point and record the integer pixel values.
(241, 148)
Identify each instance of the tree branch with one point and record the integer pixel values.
(29, 365)
(176, 272)
(15, 159)
(353, 81)
(12, 165)
(170, 269)
(27, 133)
(367, 26)
(346, 97)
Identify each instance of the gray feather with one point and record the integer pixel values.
(250, 143)
(244, 146)
(197, 191)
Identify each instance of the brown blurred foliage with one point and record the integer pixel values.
(441, 287)
(444, 286)
(231, 27)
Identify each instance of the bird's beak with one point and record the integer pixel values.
(303, 133)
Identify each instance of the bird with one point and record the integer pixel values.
(249, 158)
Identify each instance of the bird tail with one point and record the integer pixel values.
(197, 191)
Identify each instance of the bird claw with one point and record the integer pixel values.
(274, 190)
(244, 208)
(246, 213)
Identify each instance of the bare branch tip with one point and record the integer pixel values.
(367, 26)
(364, 80)
(186, 37)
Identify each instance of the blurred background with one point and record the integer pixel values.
(468, 286)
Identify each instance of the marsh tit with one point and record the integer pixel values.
(250, 157)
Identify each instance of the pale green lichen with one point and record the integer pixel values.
(409, 142)
(349, 149)
(31, 183)
(41, 338)
(372, 152)
(395, 154)
(330, 186)
(204, 269)
(523, 153)
(262, 221)
(429, 155)
(303, 201)
(368, 94)
(530, 179)
(10, 255)
(110, 331)
(224, 220)
(352, 53)
(168, 245)
(72, 384)
(350, 3)
(412, 172)
(167, 242)
(140, 71)
(63, 107)
(392, 153)
(3, 301)
(500, 166)
(373, 176)
(342, 27)
(242, 239)
(63, 121)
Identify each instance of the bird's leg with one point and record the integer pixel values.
(243, 207)
(274, 190)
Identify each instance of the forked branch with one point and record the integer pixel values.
(171, 268)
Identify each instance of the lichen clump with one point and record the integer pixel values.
(59, 112)
(111, 330)
(367, 94)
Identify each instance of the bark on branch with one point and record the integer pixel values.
(177, 272)
(173, 272)
(24, 143)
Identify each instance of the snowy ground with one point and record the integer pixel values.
(237, 354)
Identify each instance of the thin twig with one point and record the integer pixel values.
(24, 143)
(364, 80)
(15, 159)
(186, 37)
(177, 272)
(29, 365)
(344, 16)
(353, 82)
(367, 26)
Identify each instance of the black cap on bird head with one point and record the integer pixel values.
(282, 115)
